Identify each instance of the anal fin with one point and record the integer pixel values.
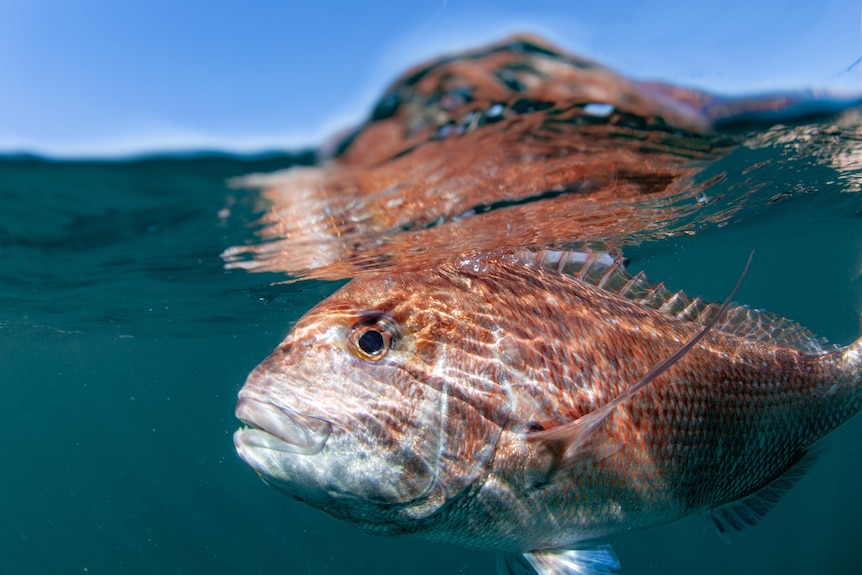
(747, 512)
(598, 560)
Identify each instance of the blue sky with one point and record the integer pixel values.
(106, 78)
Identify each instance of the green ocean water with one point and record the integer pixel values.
(123, 342)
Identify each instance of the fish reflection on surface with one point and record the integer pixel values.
(513, 145)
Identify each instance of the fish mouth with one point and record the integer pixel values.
(279, 429)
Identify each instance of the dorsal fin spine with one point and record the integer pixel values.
(608, 272)
(692, 310)
(670, 304)
(630, 284)
(655, 297)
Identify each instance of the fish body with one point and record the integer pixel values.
(446, 403)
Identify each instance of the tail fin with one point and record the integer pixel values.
(845, 385)
(851, 360)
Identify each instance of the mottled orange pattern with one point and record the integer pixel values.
(515, 144)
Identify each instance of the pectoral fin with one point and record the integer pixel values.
(567, 440)
(599, 560)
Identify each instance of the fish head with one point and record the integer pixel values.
(367, 409)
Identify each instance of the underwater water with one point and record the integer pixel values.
(124, 339)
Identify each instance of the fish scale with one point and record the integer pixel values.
(489, 406)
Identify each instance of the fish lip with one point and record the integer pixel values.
(279, 429)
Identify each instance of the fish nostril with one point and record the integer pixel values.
(287, 347)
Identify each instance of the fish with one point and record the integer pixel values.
(533, 402)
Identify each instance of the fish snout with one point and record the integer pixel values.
(279, 429)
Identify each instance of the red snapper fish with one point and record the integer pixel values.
(512, 402)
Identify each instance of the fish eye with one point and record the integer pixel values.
(371, 342)
(372, 338)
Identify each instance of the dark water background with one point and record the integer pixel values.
(123, 342)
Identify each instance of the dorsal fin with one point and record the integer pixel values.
(608, 272)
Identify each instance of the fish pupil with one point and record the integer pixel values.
(371, 342)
